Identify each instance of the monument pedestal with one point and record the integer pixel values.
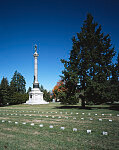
(36, 97)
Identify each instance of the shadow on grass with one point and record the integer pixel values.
(114, 107)
(109, 107)
(72, 107)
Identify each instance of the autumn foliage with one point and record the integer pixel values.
(59, 88)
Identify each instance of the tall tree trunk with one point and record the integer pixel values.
(83, 102)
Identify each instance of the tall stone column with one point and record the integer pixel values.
(35, 83)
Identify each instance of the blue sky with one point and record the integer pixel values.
(51, 23)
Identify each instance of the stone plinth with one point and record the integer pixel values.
(36, 97)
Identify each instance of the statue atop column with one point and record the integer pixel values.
(35, 48)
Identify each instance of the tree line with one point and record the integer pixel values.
(15, 92)
(89, 74)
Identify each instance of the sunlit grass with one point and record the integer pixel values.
(14, 134)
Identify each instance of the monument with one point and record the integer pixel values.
(35, 95)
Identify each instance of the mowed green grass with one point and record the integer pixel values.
(26, 137)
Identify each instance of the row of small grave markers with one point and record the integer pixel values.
(47, 116)
(57, 112)
(51, 127)
(54, 117)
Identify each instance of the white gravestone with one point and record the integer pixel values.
(41, 125)
(62, 128)
(51, 126)
(100, 119)
(105, 133)
(75, 129)
(88, 131)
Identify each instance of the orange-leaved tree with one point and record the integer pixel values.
(58, 89)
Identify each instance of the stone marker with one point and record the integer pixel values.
(100, 119)
(88, 131)
(75, 129)
(24, 123)
(41, 125)
(51, 126)
(62, 128)
(105, 133)
(32, 124)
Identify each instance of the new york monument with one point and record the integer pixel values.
(35, 95)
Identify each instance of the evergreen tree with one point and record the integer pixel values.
(89, 64)
(46, 94)
(29, 89)
(96, 55)
(114, 82)
(71, 75)
(17, 89)
(18, 83)
(41, 88)
(4, 95)
(117, 66)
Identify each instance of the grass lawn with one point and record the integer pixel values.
(20, 130)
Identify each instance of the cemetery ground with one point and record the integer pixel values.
(58, 127)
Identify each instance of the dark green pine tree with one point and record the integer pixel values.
(118, 66)
(96, 54)
(18, 83)
(89, 64)
(46, 94)
(4, 94)
(41, 88)
(29, 89)
(71, 75)
(17, 89)
(114, 82)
